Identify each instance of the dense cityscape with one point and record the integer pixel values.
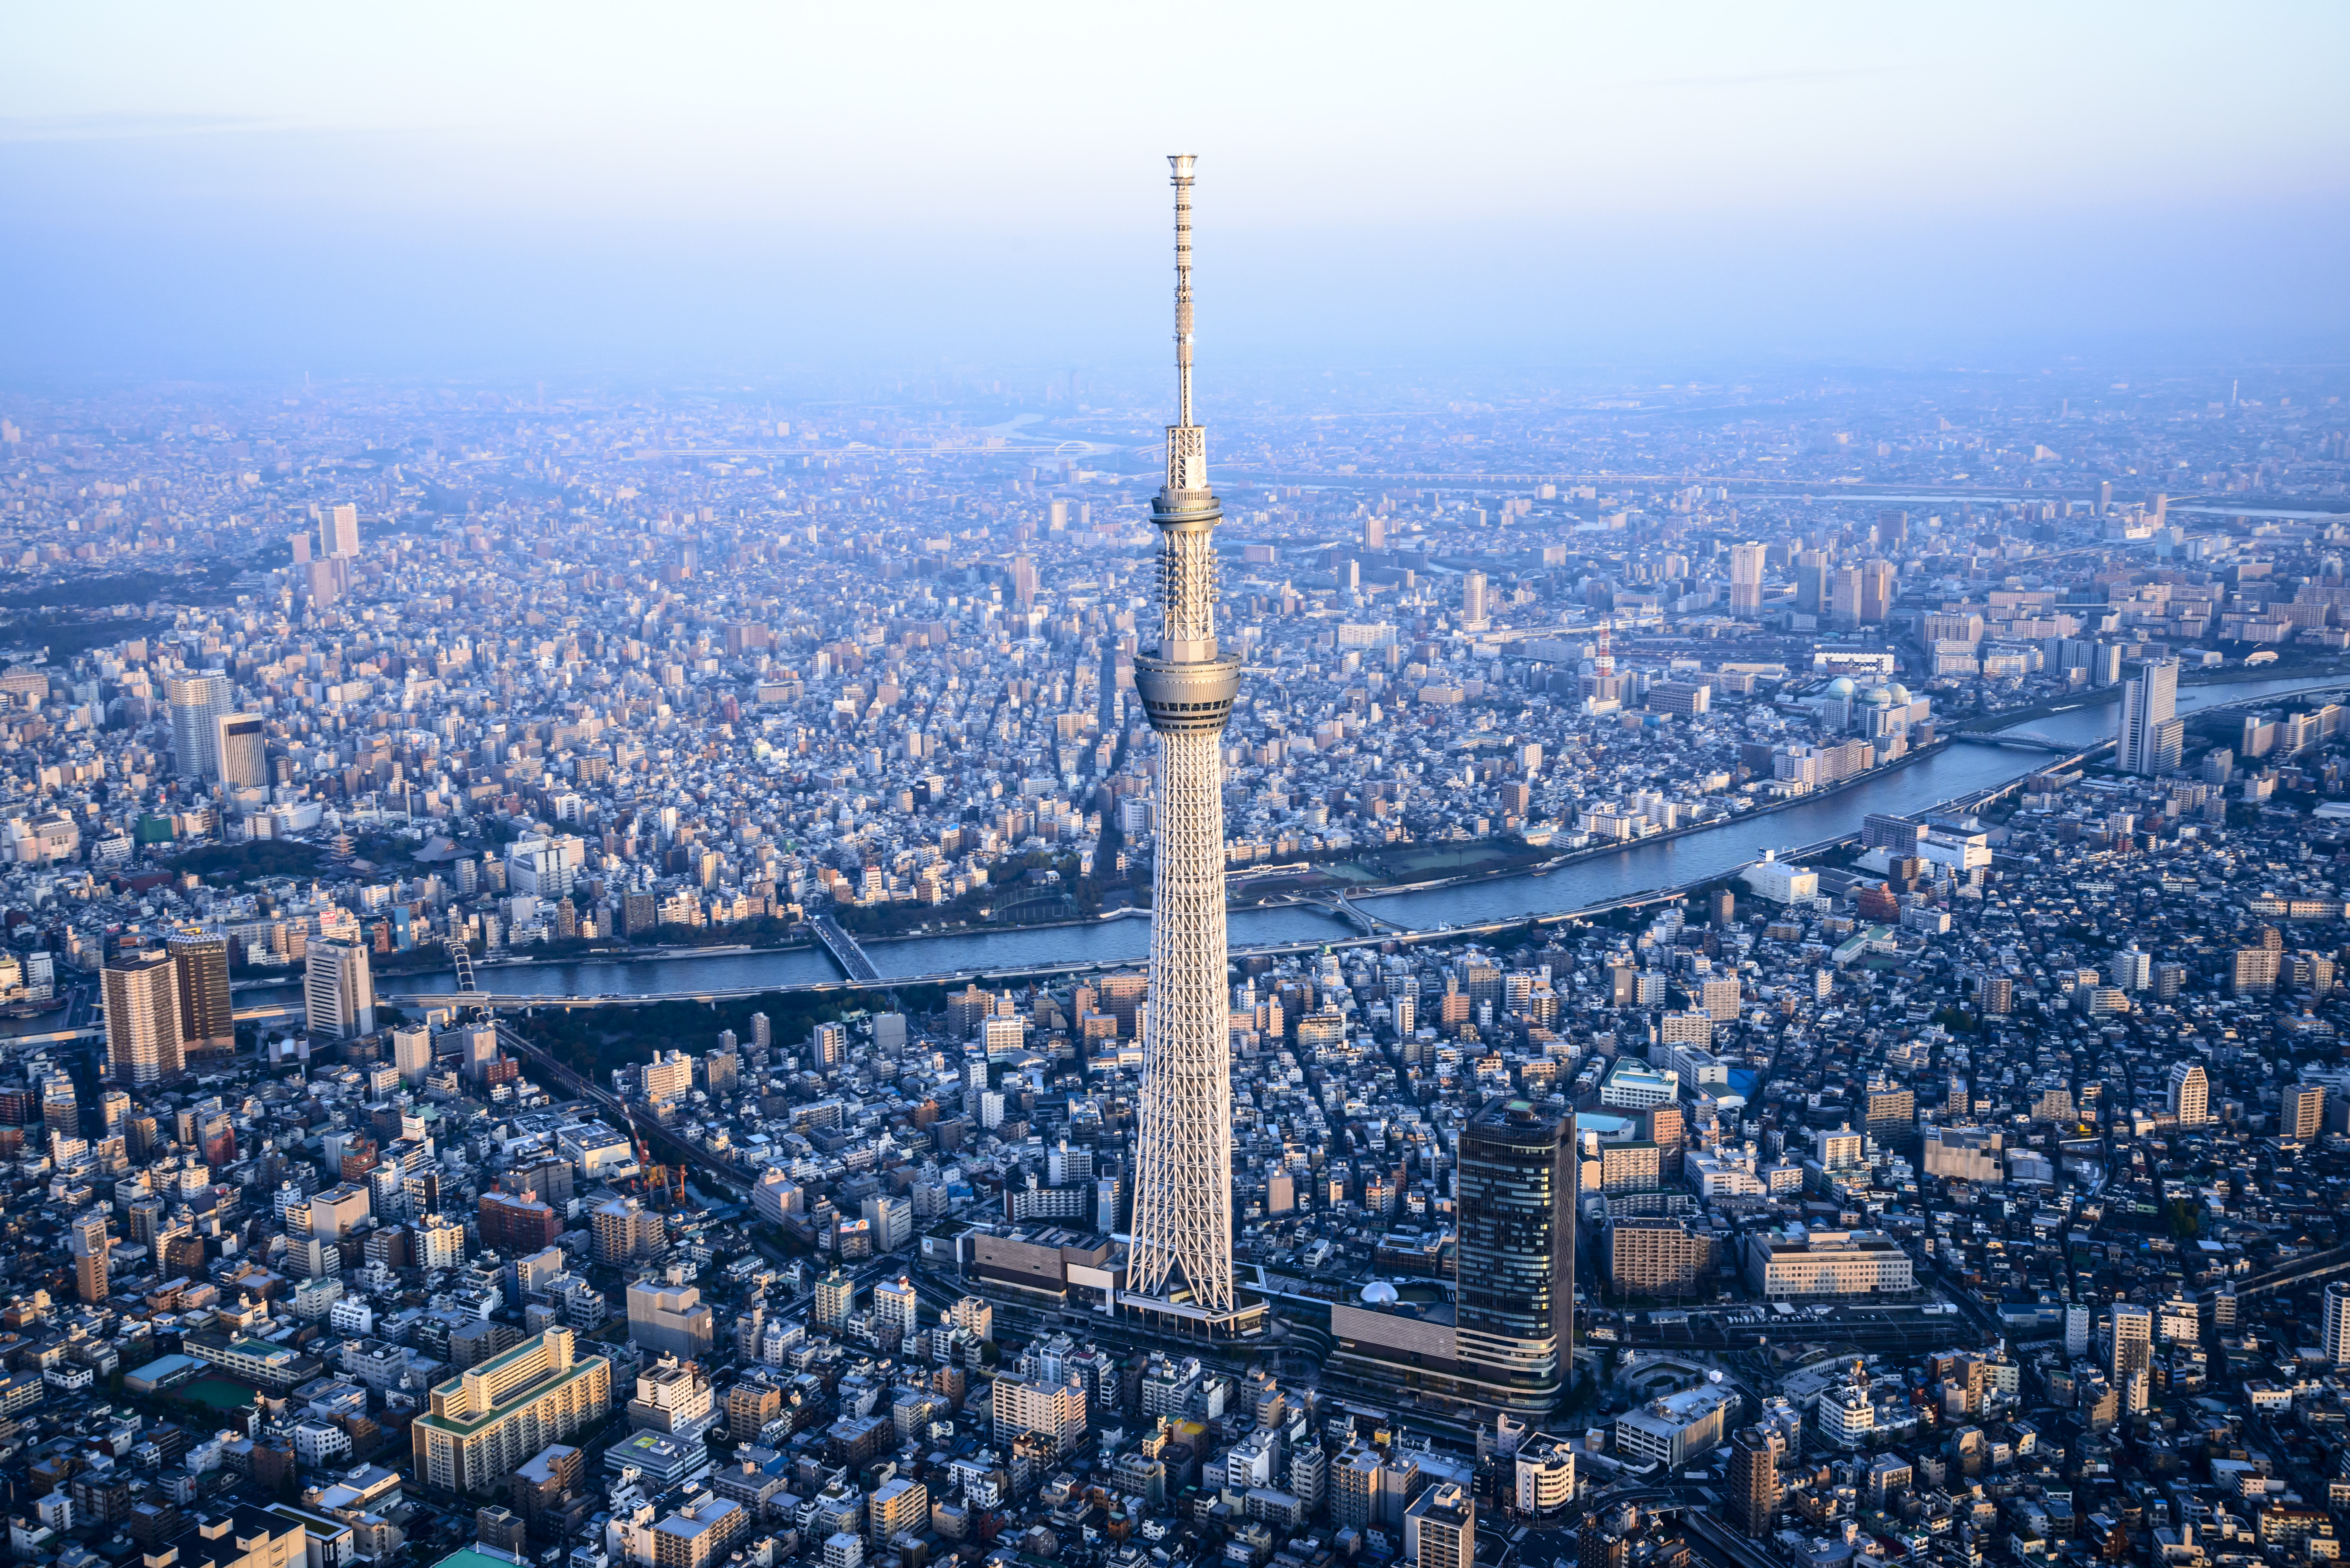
(1964, 1184)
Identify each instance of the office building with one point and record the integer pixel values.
(339, 531)
(1545, 1472)
(671, 1318)
(1672, 1429)
(1811, 573)
(338, 989)
(1876, 592)
(1440, 1528)
(411, 1054)
(1826, 1263)
(1179, 1262)
(241, 751)
(2190, 1094)
(2151, 732)
(486, 1422)
(142, 1017)
(197, 704)
(1515, 1307)
(207, 1012)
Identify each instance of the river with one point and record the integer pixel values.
(1955, 770)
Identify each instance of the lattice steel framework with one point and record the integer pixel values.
(1182, 1228)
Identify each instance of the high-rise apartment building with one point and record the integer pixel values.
(207, 1012)
(1440, 1528)
(1476, 606)
(2304, 1112)
(2335, 1330)
(486, 1422)
(2190, 1094)
(622, 1231)
(1651, 1255)
(197, 704)
(142, 1017)
(1041, 1407)
(1746, 579)
(1514, 1313)
(91, 1248)
(2151, 732)
(1179, 1262)
(1754, 1490)
(338, 989)
(2132, 1342)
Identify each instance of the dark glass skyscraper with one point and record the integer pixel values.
(1515, 1318)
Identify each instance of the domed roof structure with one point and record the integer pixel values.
(1841, 686)
(1378, 1293)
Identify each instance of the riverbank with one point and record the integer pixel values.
(2319, 679)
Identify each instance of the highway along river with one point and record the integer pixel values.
(1954, 771)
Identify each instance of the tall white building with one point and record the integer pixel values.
(1476, 600)
(2190, 1094)
(1746, 579)
(339, 531)
(2337, 1323)
(2133, 1337)
(240, 750)
(2151, 732)
(197, 705)
(339, 989)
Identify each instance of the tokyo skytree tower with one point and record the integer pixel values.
(1182, 1249)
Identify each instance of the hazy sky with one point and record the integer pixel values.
(530, 190)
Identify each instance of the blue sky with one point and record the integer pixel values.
(521, 189)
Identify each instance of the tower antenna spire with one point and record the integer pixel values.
(1187, 443)
(1182, 164)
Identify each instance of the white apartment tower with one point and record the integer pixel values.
(2337, 1323)
(2190, 1094)
(197, 705)
(2152, 732)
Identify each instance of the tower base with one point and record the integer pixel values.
(1178, 1319)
